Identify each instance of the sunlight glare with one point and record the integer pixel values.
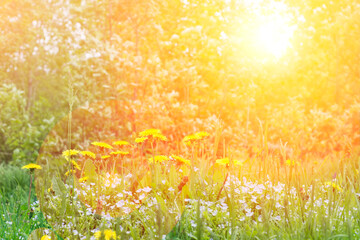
(273, 35)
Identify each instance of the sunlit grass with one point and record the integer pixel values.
(159, 194)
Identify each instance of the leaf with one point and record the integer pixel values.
(218, 177)
(89, 171)
(59, 187)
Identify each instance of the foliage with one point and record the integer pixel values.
(20, 135)
(16, 222)
(167, 58)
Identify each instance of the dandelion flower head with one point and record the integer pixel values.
(180, 159)
(121, 143)
(292, 162)
(226, 162)
(75, 165)
(108, 234)
(32, 166)
(88, 154)
(70, 152)
(149, 132)
(102, 145)
(158, 158)
(83, 179)
(141, 139)
(70, 172)
(195, 138)
(334, 186)
(154, 134)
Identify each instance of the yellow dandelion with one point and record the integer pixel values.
(226, 162)
(88, 154)
(222, 161)
(105, 157)
(32, 166)
(202, 135)
(141, 139)
(154, 134)
(334, 186)
(149, 132)
(70, 172)
(195, 138)
(75, 165)
(158, 158)
(51, 188)
(180, 159)
(191, 139)
(83, 179)
(292, 163)
(70, 152)
(108, 234)
(102, 145)
(160, 137)
(45, 237)
(122, 153)
(121, 143)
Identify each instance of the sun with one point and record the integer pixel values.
(272, 35)
(264, 32)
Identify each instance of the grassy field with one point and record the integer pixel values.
(260, 198)
(179, 119)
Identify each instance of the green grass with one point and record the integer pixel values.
(254, 208)
(16, 221)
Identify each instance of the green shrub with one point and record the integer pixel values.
(21, 134)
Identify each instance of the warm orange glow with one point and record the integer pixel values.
(230, 119)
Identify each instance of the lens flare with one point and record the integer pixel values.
(273, 36)
(265, 32)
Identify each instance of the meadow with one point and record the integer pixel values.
(179, 119)
(221, 198)
(149, 186)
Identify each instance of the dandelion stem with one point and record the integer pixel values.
(30, 190)
(218, 196)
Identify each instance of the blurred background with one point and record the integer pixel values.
(255, 72)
